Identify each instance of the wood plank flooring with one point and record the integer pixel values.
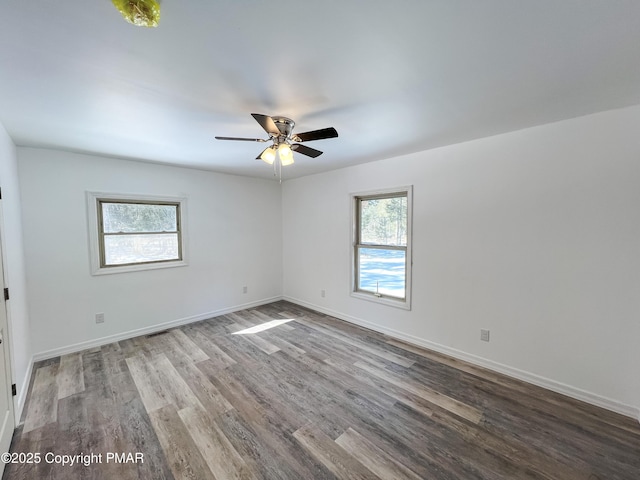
(309, 397)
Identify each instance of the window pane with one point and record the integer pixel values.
(382, 271)
(135, 217)
(125, 249)
(383, 221)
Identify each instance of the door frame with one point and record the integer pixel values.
(6, 339)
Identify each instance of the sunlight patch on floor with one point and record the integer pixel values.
(263, 326)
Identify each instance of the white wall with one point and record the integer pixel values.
(534, 235)
(235, 234)
(18, 312)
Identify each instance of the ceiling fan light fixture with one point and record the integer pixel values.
(269, 155)
(285, 153)
(287, 161)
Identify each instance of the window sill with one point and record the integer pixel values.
(137, 268)
(403, 304)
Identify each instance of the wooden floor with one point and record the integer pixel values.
(311, 397)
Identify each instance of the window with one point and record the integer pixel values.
(135, 232)
(382, 246)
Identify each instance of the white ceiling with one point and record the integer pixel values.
(391, 77)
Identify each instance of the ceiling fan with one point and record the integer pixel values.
(283, 141)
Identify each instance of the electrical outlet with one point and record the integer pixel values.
(322, 293)
(99, 317)
(245, 289)
(484, 335)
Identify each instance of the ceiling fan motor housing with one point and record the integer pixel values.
(285, 125)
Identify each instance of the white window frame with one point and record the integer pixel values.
(93, 200)
(404, 303)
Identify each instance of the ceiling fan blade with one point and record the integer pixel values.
(259, 156)
(316, 135)
(308, 151)
(267, 123)
(242, 139)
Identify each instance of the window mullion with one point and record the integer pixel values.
(381, 247)
(166, 232)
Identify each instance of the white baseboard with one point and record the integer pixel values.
(18, 406)
(549, 384)
(98, 342)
